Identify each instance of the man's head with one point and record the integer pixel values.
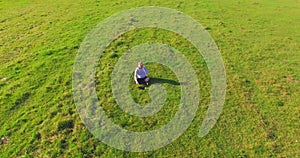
(140, 65)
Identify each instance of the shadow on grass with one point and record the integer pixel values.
(161, 80)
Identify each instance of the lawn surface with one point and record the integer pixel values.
(258, 41)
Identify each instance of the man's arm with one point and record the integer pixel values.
(146, 70)
(135, 78)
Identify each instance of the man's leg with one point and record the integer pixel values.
(141, 80)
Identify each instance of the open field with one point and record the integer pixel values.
(259, 42)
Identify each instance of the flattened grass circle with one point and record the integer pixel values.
(108, 30)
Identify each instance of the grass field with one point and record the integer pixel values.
(258, 41)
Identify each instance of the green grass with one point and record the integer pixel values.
(259, 43)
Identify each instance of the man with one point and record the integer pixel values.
(140, 74)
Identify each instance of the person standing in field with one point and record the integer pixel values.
(140, 74)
